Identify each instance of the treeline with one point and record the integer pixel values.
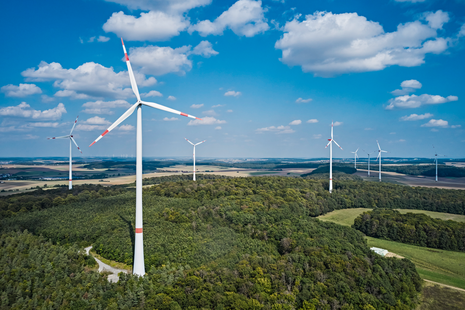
(427, 170)
(181, 177)
(418, 229)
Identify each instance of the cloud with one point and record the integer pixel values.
(90, 80)
(25, 110)
(197, 106)
(244, 18)
(218, 105)
(218, 128)
(232, 93)
(299, 100)
(455, 126)
(93, 123)
(414, 101)
(278, 130)
(204, 49)
(126, 127)
(172, 98)
(408, 86)
(410, 1)
(210, 113)
(436, 123)
(47, 99)
(172, 6)
(96, 120)
(156, 60)
(151, 26)
(312, 121)
(401, 140)
(437, 20)
(171, 119)
(416, 117)
(153, 93)
(207, 120)
(22, 90)
(330, 44)
(99, 39)
(229, 111)
(338, 123)
(103, 107)
(316, 136)
(296, 122)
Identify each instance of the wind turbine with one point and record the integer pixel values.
(139, 267)
(355, 158)
(368, 162)
(194, 152)
(379, 158)
(331, 158)
(436, 160)
(70, 137)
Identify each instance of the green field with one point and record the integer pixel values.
(435, 297)
(436, 215)
(441, 266)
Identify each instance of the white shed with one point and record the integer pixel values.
(379, 251)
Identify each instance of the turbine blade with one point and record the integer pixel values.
(73, 126)
(337, 144)
(356, 150)
(378, 145)
(131, 74)
(189, 141)
(163, 108)
(118, 121)
(384, 151)
(61, 137)
(76, 145)
(328, 143)
(200, 142)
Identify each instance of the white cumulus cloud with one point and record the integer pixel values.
(103, 107)
(171, 6)
(296, 122)
(312, 121)
(338, 123)
(414, 101)
(329, 44)
(408, 86)
(436, 123)
(25, 110)
(153, 93)
(300, 100)
(22, 90)
(207, 120)
(244, 18)
(204, 49)
(232, 93)
(197, 106)
(90, 80)
(277, 130)
(172, 98)
(416, 117)
(171, 119)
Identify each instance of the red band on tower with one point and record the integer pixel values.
(138, 230)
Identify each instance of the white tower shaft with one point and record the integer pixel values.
(70, 166)
(436, 168)
(331, 163)
(368, 164)
(194, 162)
(139, 266)
(379, 166)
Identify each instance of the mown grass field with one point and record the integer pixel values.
(441, 266)
(435, 297)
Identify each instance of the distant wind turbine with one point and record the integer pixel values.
(330, 143)
(368, 161)
(355, 158)
(70, 137)
(139, 266)
(436, 160)
(194, 152)
(379, 158)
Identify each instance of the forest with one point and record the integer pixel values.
(411, 228)
(227, 243)
(427, 170)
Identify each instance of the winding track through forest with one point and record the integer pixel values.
(113, 277)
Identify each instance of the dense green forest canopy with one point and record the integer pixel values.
(412, 228)
(241, 243)
(427, 170)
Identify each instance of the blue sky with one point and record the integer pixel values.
(266, 77)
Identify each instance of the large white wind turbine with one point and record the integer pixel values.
(436, 160)
(70, 137)
(355, 158)
(368, 162)
(379, 158)
(139, 267)
(330, 143)
(194, 152)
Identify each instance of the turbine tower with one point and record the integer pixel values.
(70, 137)
(355, 158)
(379, 158)
(368, 162)
(194, 152)
(139, 267)
(330, 143)
(436, 160)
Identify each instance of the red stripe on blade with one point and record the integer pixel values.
(106, 131)
(127, 58)
(138, 230)
(184, 114)
(92, 143)
(198, 118)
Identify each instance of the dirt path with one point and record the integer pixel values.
(445, 285)
(113, 277)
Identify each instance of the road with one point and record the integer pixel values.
(113, 277)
